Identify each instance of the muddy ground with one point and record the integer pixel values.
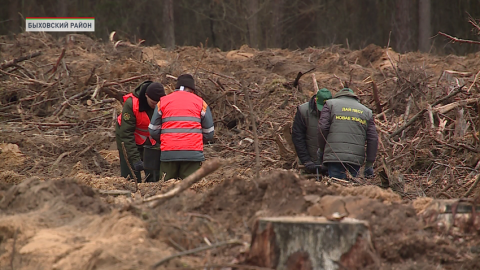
(58, 154)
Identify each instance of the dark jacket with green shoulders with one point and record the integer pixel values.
(305, 132)
(125, 132)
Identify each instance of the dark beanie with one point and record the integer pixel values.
(185, 80)
(155, 91)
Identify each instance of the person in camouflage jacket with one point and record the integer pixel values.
(132, 127)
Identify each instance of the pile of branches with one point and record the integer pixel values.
(429, 144)
(44, 90)
(428, 131)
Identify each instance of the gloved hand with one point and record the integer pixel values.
(320, 156)
(310, 167)
(138, 166)
(368, 172)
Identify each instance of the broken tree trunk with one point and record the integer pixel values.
(306, 242)
(20, 59)
(207, 168)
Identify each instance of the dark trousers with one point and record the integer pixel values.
(338, 169)
(178, 169)
(125, 171)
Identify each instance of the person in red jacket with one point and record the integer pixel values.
(182, 122)
(132, 127)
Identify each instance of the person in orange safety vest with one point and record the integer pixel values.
(182, 122)
(132, 127)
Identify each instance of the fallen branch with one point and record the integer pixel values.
(447, 144)
(468, 147)
(60, 158)
(469, 191)
(118, 192)
(415, 117)
(376, 97)
(378, 116)
(84, 151)
(52, 124)
(473, 83)
(315, 84)
(411, 121)
(407, 112)
(206, 169)
(201, 59)
(64, 104)
(446, 108)
(454, 39)
(299, 75)
(254, 128)
(20, 59)
(97, 89)
(54, 68)
(46, 84)
(283, 151)
(430, 117)
(107, 84)
(129, 166)
(473, 22)
(196, 250)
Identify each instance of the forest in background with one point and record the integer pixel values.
(404, 25)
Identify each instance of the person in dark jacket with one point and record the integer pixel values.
(182, 122)
(305, 131)
(132, 127)
(345, 127)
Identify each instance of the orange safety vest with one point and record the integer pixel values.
(142, 121)
(181, 122)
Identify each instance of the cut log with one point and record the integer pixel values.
(127, 193)
(307, 242)
(453, 216)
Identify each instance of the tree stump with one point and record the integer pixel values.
(308, 243)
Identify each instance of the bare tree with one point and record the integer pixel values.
(424, 25)
(277, 26)
(252, 22)
(402, 30)
(168, 24)
(62, 8)
(13, 16)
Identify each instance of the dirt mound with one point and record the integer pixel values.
(237, 200)
(33, 194)
(74, 222)
(59, 224)
(11, 156)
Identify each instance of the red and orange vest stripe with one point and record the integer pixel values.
(181, 122)
(142, 121)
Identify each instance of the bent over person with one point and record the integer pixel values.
(305, 129)
(345, 128)
(182, 122)
(132, 127)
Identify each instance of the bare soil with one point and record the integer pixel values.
(57, 153)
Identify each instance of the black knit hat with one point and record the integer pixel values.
(155, 91)
(185, 80)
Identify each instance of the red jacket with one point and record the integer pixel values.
(181, 122)
(142, 121)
